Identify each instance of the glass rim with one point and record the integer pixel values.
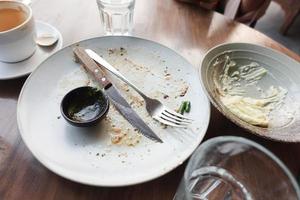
(247, 142)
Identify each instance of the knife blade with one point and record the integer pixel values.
(115, 97)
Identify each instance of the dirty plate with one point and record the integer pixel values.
(271, 73)
(112, 153)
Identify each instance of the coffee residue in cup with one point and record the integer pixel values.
(11, 17)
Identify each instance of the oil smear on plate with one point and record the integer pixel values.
(233, 83)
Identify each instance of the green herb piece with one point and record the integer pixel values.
(188, 106)
(182, 107)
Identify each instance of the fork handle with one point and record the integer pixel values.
(109, 67)
(89, 64)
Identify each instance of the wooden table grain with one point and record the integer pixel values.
(188, 30)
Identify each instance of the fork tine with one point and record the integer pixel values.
(174, 118)
(164, 121)
(177, 114)
(178, 119)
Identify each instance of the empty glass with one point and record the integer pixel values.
(116, 16)
(238, 169)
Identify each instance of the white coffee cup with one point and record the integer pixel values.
(18, 43)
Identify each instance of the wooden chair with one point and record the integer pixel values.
(231, 9)
(291, 9)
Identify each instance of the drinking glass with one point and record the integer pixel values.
(238, 169)
(116, 16)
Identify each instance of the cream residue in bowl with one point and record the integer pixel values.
(255, 111)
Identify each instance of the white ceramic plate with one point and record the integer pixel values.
(19, 69)
(86, 155)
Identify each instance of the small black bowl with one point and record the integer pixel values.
(84, 106)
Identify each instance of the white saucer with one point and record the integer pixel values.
(18, 69)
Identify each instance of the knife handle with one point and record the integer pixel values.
(89, 64)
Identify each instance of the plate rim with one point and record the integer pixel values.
(86, 182)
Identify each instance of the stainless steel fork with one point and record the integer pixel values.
(154, 107)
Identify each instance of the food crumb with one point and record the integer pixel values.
(58, 117)
(116, 130)
(164, 126)
(123, 155)
(88, 82)
(116, 139)
(184, 91)
(97, 154)
(167, 76)
(110, 51)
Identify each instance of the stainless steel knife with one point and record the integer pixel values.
(119, 102)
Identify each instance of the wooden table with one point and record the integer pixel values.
(188, 30)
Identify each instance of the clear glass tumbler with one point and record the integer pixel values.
(116, 16)
(234, 168)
